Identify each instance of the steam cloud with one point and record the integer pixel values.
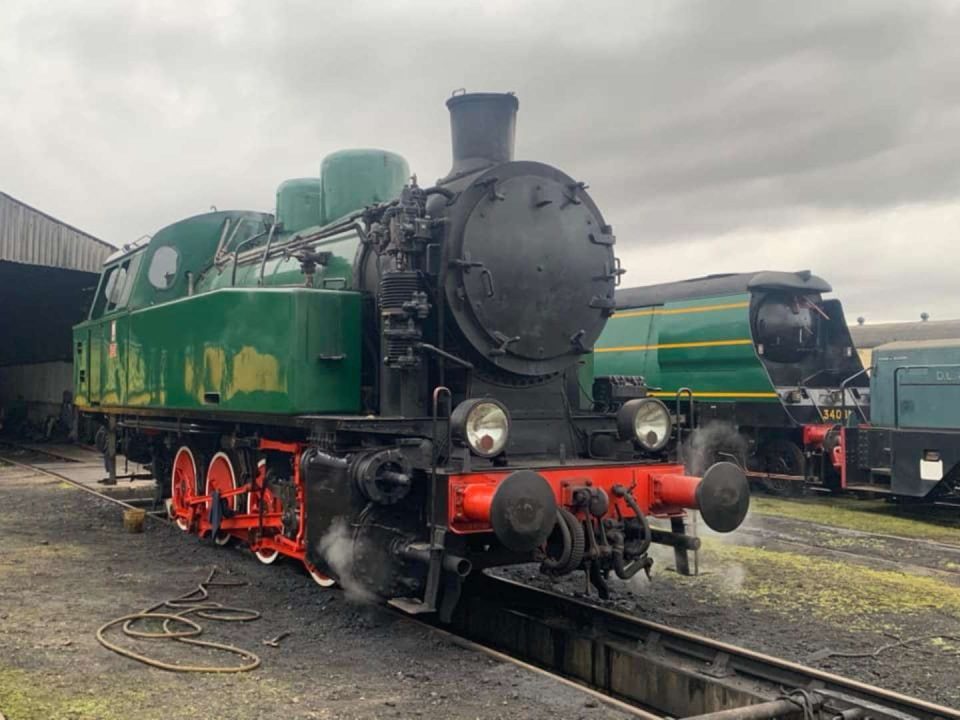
(708, 442)
(338, 548)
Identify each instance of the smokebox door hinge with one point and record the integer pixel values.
(570, 198)
(607, 304)
(503, 342)
(491, 185)
(612, 273)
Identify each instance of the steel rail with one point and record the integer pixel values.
(86, 488)
(474, 646)
(929, 570)
(673, 671)
(38, 451)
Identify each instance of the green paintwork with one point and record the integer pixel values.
(195, 240)
(720, 372)
(924, 392)
(353, 179)
(219, 328)
(298, 204)
(245, 350)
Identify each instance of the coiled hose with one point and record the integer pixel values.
(196, 602)
(572, 541)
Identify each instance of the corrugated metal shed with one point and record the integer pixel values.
(34, 238)
(871, 335)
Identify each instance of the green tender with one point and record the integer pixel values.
(704, 344)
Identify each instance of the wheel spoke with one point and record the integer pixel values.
(222, 478)
(183, 481)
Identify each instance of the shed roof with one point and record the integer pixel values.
(32, 237)
(873, 335)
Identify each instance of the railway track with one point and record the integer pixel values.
(651, 670)
(55, 456)
(130, 502)
(660, 670)
(775, 539)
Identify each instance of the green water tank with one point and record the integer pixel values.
(353, 179)
(298, 204)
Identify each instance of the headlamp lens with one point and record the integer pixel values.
(486, 428)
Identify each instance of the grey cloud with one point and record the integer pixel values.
(690, 120)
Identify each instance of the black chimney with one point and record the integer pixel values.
(482, 127)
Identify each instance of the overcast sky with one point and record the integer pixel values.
(716, 136)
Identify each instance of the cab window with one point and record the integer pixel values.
(132, 266)
(117, 284)
(163, 267)
(106, 288)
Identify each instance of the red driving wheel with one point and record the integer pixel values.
(271, 504)
(318, 577)
(183, 485)
(221, 477)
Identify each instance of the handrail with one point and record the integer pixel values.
(266, 251)
(680, 392)
(843, 397)
(298, 241)
(236, 255)
(218, 258)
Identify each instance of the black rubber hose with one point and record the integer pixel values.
(623, 571)
(553, 565)
(571, 555)
(619, 566)
(599, 581)
(579, 541)
(437, 190)
(621, 491)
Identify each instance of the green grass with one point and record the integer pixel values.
(26, 696)
(799, 585)
(875, 516)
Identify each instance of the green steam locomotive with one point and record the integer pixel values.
(397, 367)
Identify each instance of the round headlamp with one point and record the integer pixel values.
(645, 421)
(482, 424)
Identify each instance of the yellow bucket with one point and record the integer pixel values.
(133, 520)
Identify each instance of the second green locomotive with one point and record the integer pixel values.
(764, 362)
